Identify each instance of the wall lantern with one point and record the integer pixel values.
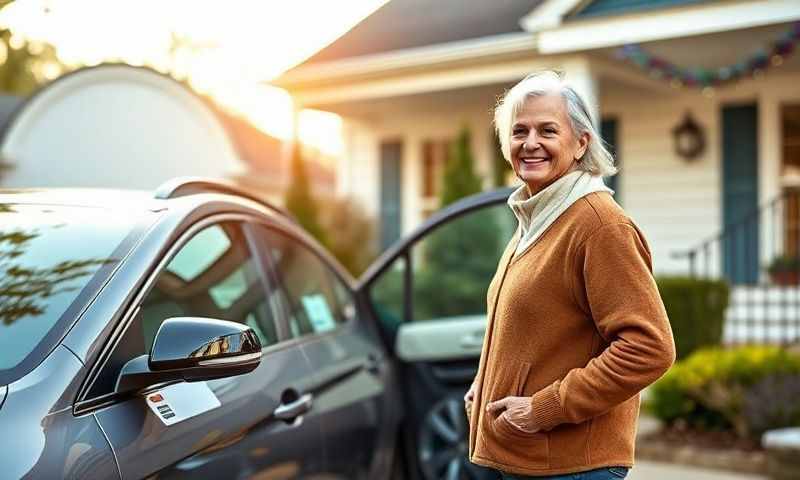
(689, 138)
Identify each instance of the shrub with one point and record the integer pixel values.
(772, 403)
(696, 310)
(784, 263)
(349, 233)
(712, 388)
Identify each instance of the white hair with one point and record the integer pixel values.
(597, 160)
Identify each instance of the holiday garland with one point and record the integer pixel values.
(754, 65)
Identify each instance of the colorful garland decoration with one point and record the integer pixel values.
(706, 79)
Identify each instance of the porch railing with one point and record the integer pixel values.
(759, 256)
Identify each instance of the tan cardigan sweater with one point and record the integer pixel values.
(576, 323)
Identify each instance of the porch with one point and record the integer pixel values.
(398, 124)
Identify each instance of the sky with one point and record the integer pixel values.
(232, 48)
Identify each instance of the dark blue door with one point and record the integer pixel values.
(609, 133)
(740, 193)
(391, 154)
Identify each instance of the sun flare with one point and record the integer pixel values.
(228, 51)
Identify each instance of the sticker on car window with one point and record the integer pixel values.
(319, 313)
(181, 401)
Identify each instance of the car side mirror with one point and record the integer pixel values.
(193, 349)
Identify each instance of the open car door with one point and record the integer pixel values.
(428, 295)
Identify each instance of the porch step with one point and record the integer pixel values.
(763, 314)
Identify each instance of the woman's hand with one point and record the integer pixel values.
(518, 411)
(470, 395)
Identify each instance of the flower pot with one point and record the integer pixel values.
(785, 278)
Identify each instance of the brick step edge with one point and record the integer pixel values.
(730, 460)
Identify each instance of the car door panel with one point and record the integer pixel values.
(350, 372)
(238, 439)
(350, 376)
(448, 340)
(252, 424)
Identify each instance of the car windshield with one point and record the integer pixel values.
(53, 259)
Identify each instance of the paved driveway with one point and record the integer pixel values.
(666, 471)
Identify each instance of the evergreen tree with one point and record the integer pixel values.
(299, 200)
(460, 179)
(500, 167)
(460, 257)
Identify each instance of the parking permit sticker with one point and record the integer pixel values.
(319, 313)
(181, 401)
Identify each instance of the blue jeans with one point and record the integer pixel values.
(606, 473)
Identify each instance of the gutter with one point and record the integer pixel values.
(388, 62)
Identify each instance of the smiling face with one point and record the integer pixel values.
(551, 149)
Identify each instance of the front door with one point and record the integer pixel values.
(429, 296)
(740, 243)
(391, 198)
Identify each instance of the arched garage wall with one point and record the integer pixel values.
(114, 126)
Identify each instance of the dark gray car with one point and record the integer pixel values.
(201, 333)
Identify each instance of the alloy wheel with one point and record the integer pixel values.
(443, 444)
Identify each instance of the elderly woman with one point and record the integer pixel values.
(576, 327)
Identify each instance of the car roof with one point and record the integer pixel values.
(190, 190)
(85, 197)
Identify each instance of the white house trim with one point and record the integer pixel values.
(424, 81)
(341, 70)
(548, 14)
(648, 26)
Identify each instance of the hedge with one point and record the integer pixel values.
(748, 389)
(696, 310)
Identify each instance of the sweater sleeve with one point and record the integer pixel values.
(614, 275)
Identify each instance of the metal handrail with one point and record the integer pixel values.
(726, 233)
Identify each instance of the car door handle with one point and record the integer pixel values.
(472, 340)
(373, 364)
(290, 411)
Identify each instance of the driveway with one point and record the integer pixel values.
(645, 470)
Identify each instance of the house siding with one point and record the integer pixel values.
(677, 203)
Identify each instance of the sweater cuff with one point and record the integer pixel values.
(547, 410)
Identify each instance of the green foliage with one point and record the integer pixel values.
(784, 263)
(464, 249)
(711, 388)
(460, 179)
(299, 200)
(22, 72)
(388, 296)
(696, 310)
(772, 403)
(349, 233)
(500, 167)
(457, 264)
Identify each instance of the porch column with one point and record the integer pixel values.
(583, 79)
(358, 172)
(412, 182)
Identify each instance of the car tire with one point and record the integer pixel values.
(442, 445)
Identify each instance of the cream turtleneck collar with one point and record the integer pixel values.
(536, 213)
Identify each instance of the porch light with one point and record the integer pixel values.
(689, 138)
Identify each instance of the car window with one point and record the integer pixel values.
(213, 275)
(316, 299)
(451, 266)
(53, 260)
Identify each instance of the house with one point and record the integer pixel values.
(699, 99)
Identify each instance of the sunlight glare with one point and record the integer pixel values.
(228, 50)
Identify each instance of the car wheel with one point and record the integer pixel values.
(443, 444)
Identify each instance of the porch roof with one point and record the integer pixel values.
(391, 27)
